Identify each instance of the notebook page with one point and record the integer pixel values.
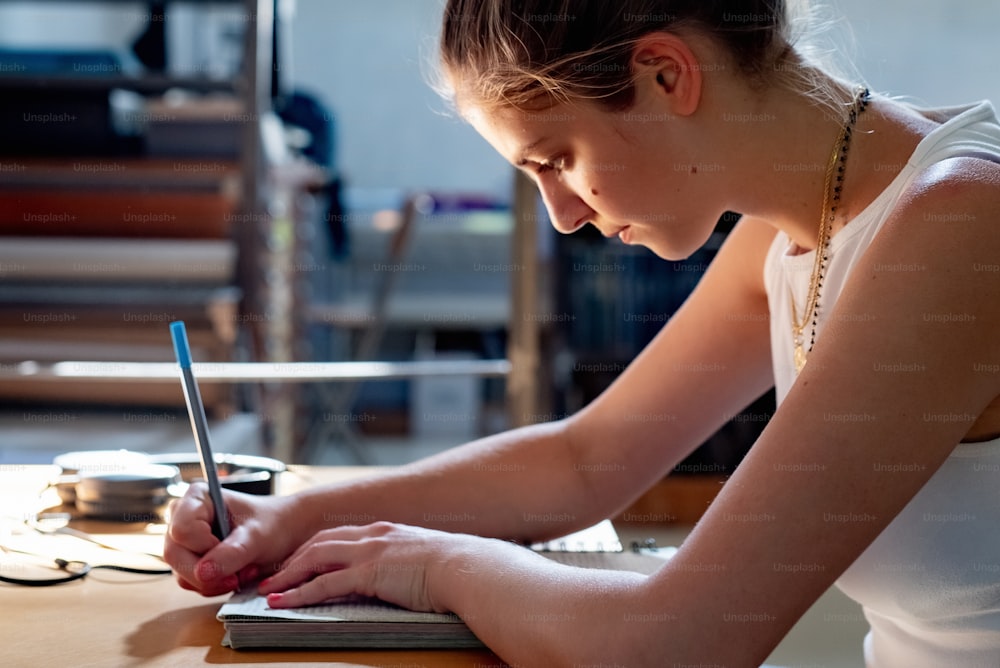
(249, 605)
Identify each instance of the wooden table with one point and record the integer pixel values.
(118, 620)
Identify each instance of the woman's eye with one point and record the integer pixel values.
(557, 165)
(540, 167)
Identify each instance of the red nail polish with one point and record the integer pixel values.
(208, 570)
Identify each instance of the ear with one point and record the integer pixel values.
(666, 62)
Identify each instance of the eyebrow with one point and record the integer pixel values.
(525, 150)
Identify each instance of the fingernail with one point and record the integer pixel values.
(232, 582)
(274, 598)
(208, 570)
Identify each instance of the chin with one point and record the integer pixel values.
(677, 247)
(667, 255)
(673, 252)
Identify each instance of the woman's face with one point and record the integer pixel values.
(630, 174)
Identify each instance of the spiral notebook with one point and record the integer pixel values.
(358, 622)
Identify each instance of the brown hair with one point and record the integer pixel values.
(531, 53)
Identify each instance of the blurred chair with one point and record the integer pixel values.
(339, 398)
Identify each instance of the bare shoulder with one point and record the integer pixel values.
(933, 322)
(959, 196)
(948, 220)
(944, 230)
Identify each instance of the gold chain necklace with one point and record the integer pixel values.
(827, 216)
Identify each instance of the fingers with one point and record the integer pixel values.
(228, 557)
(198, 573)
(182, 562)
(322, 544)
(310, 560)
(191, 520)
(189, 535)
(371, 561)
(317, 590)
(201, 563)
(329, 551)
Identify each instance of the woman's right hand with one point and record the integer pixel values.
(262, 534)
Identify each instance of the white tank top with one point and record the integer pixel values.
(930, 583)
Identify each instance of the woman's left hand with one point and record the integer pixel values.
(393, 562)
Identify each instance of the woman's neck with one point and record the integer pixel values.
(780, 168)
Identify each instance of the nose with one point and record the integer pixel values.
(567, 211)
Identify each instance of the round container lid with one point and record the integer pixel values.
(97, 461)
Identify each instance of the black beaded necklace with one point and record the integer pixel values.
(831, 198)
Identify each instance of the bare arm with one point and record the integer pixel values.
(707, 364)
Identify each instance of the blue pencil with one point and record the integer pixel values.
(199, 424)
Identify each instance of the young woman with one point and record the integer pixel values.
(867, 295)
